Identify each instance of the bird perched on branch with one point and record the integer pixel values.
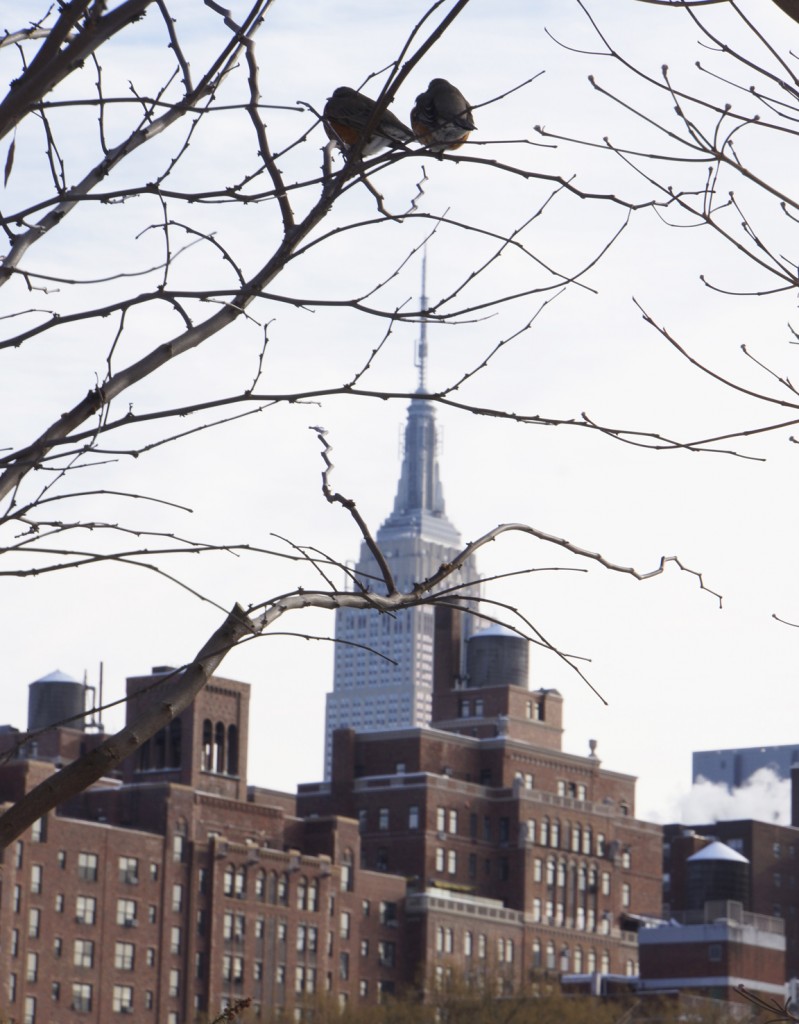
(441, 118)
(346, 116)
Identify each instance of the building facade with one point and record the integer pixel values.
(735, 765)
(176, 889)
(491, 821)
(476, 850)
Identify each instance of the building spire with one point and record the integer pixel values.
(421, 351)
(419, 504)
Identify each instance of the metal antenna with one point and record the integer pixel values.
(421, 357)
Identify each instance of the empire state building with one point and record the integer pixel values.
(383, 671)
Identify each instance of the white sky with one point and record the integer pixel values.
(678, 674)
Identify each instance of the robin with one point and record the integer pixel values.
(441, 117)
(347, 114)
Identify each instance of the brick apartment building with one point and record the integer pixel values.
(477, 848)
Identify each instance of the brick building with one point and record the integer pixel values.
(493, 823)
(176, 888)
(477, 848)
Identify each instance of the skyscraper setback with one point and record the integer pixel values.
(383, 670)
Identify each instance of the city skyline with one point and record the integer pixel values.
(667, 660)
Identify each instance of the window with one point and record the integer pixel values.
(600, 844)
(55, 991)
(439, 858)
(87, 867)
(58, 944)
(625, 894)
(382, 819)
(605, 883)
(86, 909)
(260, 885)
(30, 1010)
(344, 966)
(129, 870)
(17, 898)
(37, 831)
(174, 981)
(126, 913)
(174, 940)
(61, 859)
(413, 816)
(122, 1001)
(482, 946)
(36, 878)
(386, 953)
(227, 881)
(153, 871)
(452, 862)
(452, 821)
(178, 848)
(34, 922)
(554, 834)
(124, 956)
(344, 925)
(83, 953)
(626, 858)
(587, 838)
(32, 967)
(544, 837)
(536, 910)
(388, 912)
(576, 839)
(363, 820)
(441, 819)
(58, 903)
(468, 943)
(177, 898)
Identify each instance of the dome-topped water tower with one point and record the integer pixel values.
(716, 872)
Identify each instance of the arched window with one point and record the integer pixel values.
(219, 748)
(587, 839)
(159, 749)
(550, 964)
(302, 893)
(175, 751)
(578, 960)
(232, 750)
(143, 756)
(283, 890)
(241, 881)
(536, 953)
(554, 834)
(260, 884)
(207, 761)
